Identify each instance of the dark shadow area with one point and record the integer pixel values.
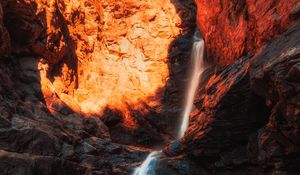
(25, 29)
(29, 38)
(179, 65)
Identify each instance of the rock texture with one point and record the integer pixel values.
(116, 60)
(247, 114)
(82, 83)
(34, 140)
(79, 78)
(234, 28)
(279, 71)
(4, 37)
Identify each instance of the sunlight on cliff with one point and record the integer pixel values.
(120, 58)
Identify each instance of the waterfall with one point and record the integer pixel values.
(198, 68)
(148, 166)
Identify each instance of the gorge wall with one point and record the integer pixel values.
(80, 77)
(116, 60)
(246, 117)
(232, 29)
(87, 85)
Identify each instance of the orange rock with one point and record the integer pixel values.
(234, 28)
(105, 54)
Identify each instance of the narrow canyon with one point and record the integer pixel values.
(160, 87)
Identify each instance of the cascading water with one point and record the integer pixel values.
(198, 68)
(148, 166)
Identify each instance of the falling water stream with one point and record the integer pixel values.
(198, 68)
(148, 166)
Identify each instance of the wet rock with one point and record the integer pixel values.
(179, 165)
(173, 149)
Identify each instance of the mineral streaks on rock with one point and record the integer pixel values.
(235, 28)
(121, 50)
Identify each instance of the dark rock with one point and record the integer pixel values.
(273, 74)
(247, 115)
(179, 165)
(95, 127)
(26, 164)
(227, 113)
(173, 148)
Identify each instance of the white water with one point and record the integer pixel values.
(148, 166)
(198, 68)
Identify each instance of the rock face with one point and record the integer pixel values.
(79, 78)
(116, 60)
(34, 140)
(247, 114)
(279, 72)
(235, 28)
(80, 81)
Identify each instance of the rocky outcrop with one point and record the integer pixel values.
(116, 60)
(34, 140)
(232, 29)
(275, 76)
(247, 114)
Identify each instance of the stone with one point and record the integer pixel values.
(232, 29)
(94, 56)
(4, 36)
(246, 113)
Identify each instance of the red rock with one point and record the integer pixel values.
(247, 113)
(235, 28)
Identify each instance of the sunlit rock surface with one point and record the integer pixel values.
(121, 52)
(78, 76)
(118, 60)
(232, 28)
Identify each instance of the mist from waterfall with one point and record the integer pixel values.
(197, 65)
